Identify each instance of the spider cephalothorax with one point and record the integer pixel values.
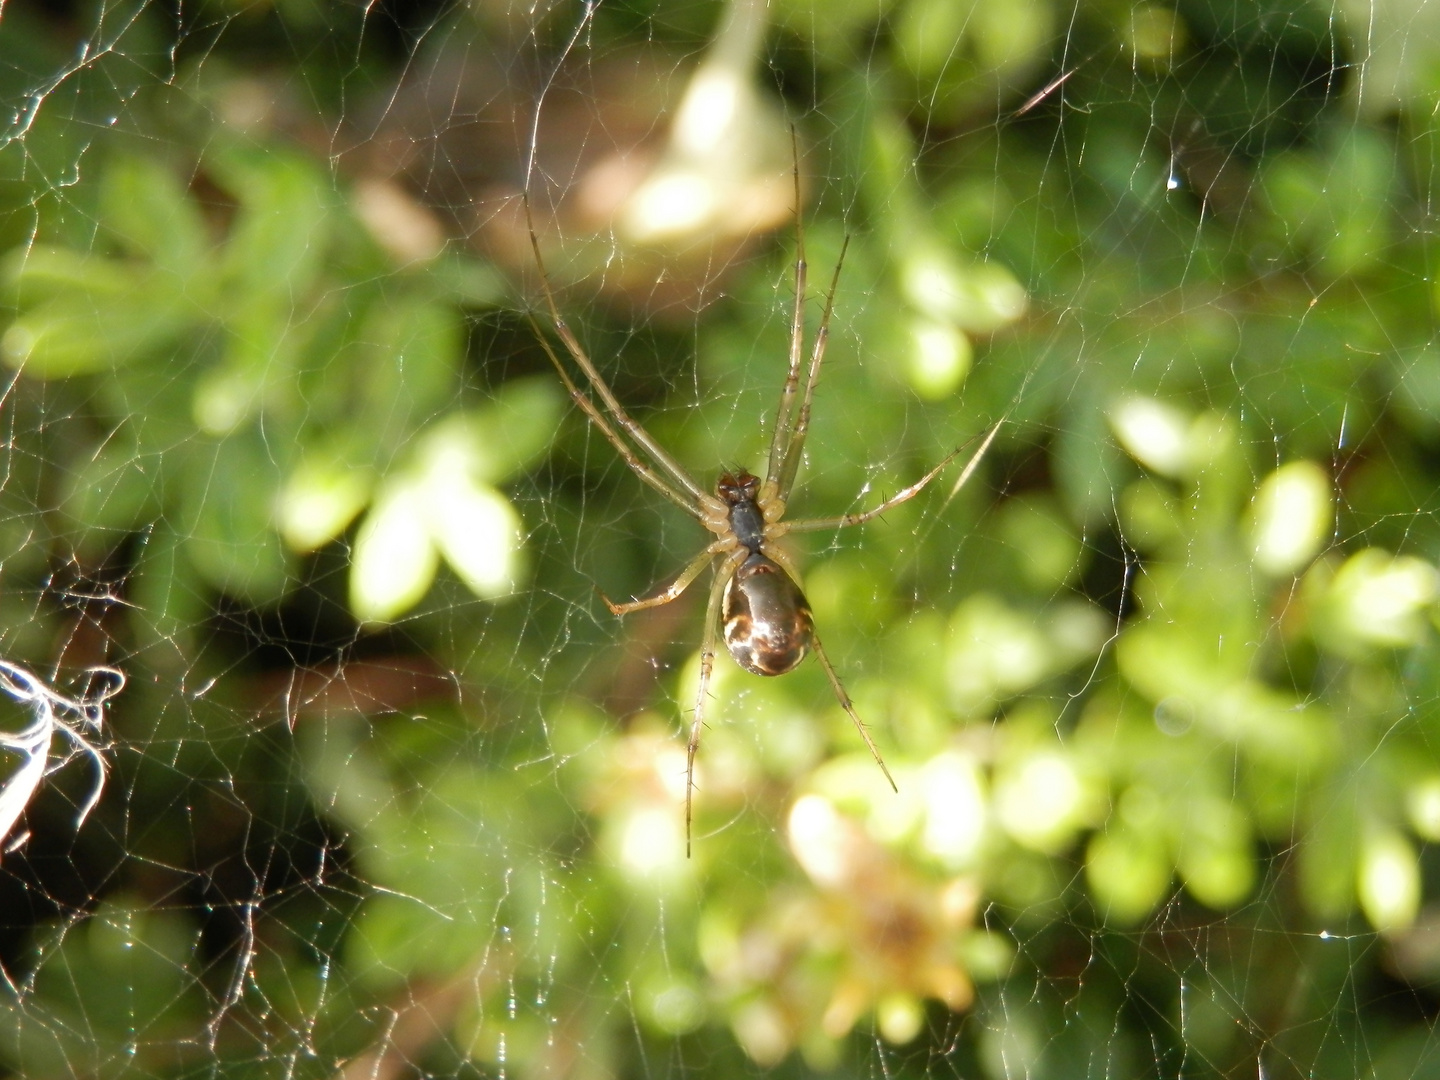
(768, 627)
(741, 494)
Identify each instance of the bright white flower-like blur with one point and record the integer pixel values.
(1154, 433)
(1389, 880)
(1376, 600)
(1292, 514)
(77, 721)
(723, 170)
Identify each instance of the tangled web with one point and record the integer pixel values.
(390, 792)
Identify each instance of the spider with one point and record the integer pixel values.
(767, 624)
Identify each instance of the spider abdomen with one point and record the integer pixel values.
(767, 620)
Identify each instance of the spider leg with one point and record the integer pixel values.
(707, 665)
(788, 566)
(598, 418)
(675, 588)
(784, 416)
(975, 459)
(846, 704)
(775, 553)
(817, 524)
(642, 438)
(790, 460)
(788, 439)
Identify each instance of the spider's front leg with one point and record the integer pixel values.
(675, 588)
(780, 528)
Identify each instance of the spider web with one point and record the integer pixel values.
(322, 755)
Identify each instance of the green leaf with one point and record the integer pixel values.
(492, 442)
(37, 273)
(1129, 873)
(1214, 854)
(1337, 206)
(232, 490)
(518, 426)
(1088, 465)
(147, 208)
(1046, 547)
(115, 981)
(995, 651)
(407, 364)
(167, 603)
(113, 490)
(84, 314)
(278, 241)
(468, 281)
(272, 261)
(449, 856)
(1330, 855)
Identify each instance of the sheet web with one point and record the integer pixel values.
(322, 754)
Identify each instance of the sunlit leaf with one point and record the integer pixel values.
(1291, 517)
(1156, 434)
(320, 499)
(395, 558)
(479, 533)
(1389, 880)
(1215, 856)
(1128, 873)
(1376, 600)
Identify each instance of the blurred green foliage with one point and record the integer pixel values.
(393, 795)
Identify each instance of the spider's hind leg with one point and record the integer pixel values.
(707, 665)
(849, 707)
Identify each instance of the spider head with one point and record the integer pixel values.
(734, 488)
